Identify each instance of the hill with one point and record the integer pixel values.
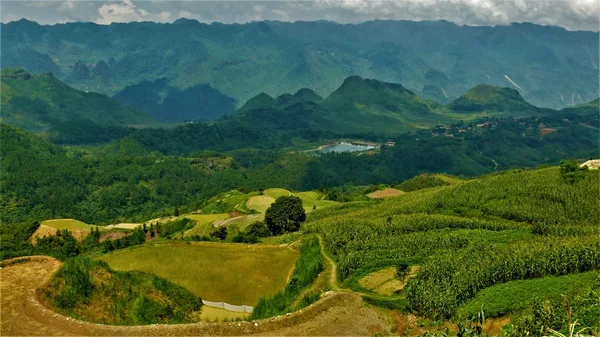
(437, 58)
(37, 101)
(487, 98)
(160, 100)
(370, 105)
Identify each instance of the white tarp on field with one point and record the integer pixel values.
(228, 307)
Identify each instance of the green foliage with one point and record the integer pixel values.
(402, 270)
(308, 266)
(62, 245)
(420, 182)
(511, 297)
(285, 215)
(489, 98)
(571, 172)
(90, 290)
(446, 281)
(567, 314)
(15, 239)
(220, 233)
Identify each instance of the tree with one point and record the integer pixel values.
(402, 270)
(220, 233)
(285, 215)
(258, 229)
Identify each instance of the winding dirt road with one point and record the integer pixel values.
(339, 313)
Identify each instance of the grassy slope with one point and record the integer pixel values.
(34, 102)
(232, 273)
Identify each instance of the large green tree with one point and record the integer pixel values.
(285, 215)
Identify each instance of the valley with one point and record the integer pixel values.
(305, 178)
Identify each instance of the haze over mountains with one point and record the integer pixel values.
(227, 64)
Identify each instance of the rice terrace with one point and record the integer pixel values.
(298, 168)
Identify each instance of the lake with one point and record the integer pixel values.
(344, 147)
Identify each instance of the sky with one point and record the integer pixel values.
(570, 14)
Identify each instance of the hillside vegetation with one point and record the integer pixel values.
(37, 101)
(469, 236)
(92, 291)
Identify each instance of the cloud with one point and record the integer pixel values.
(127, 11)
(571, 14)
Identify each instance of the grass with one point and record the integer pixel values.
(260, 203)
(277, 192)
(70, 224)
(506, 298)
(233, 273)
(312, 199)
(210, 314)
(204, 222)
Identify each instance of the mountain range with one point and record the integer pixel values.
(37, 102)
(227, 64)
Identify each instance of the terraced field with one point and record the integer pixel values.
(234, 273)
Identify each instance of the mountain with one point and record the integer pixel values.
(370, 105)
(37, 101)
(434, 59)
(487, 98)
(166, 103)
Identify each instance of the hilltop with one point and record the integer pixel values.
(37, 101)
(484, 98)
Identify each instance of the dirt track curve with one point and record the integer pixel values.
(21, 313)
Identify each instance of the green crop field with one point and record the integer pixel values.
(277, 192)
(502, 299)
(233, 273)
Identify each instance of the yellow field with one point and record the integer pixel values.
(260, 203)
(66, 224)
(277, 192)
(238, 274)
(210, 314)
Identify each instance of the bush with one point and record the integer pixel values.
(285, 215)
(220, 233)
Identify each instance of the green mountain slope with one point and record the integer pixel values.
(438, 59)
(370, 105)
(487, 98)
(36, 101)
(162, 101)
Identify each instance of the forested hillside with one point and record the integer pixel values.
(38, 101)
(438, 59)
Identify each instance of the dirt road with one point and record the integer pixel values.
(22, 313)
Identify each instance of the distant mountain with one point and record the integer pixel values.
(37, 101)
(166, 103)
(549, 66)
(487, 98)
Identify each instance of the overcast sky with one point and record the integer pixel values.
(571, 14)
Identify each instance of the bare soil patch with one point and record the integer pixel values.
(386, 193)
